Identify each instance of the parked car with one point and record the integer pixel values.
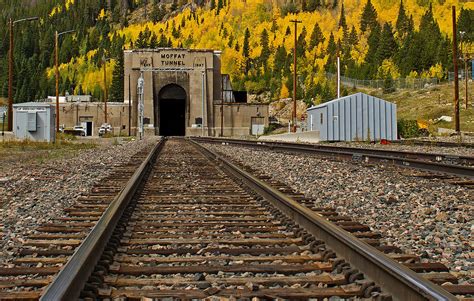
(80, 129)
(104, 129)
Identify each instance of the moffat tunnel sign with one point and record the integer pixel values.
(165, 60)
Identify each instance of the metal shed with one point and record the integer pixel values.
(356, 117)
(34, 121)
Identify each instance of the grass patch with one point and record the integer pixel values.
(430, 104)
(30, 151)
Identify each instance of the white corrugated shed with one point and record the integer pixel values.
(357, 117)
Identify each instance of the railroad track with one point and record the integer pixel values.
(44, 253)
(434, 143)
(192, 224)
(441, 164)
(201, 227)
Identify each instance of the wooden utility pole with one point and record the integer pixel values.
(105, 90)
(466, 75)
(10, 79)
(456, 79)
(129, 108)
(222, 107)
(294, 75)
(56, 63)
(10, 69)
(56, 66)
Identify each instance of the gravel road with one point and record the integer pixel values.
(33, 193)
(429, 218)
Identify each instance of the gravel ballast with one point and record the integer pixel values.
(430, 218)
(34, 193)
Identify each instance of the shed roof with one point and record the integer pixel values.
(32, 104)
(342, 98)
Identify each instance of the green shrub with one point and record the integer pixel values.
(270, 128)
(408, 128)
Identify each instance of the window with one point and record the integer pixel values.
(322, 118)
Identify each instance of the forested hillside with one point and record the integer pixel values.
(382, 39)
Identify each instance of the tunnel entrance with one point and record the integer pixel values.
(172, 111)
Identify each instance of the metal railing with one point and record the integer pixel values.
(398, 83)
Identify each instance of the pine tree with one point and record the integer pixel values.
(219, 6)
(117, 86)
(154, 41)
(369, 17)
(403, 23)
(317, 37)
(163, 41)
(371, 64)
(265, 54)
(331, 50)
(304, 6)
(313, 5)
(387, 46)
(466, 24)
(353, 37)
(246, 50)
(301, 44)
(279, 61)
(332, 47)
(429, 35)
(342, 18)
(157, 12)
(141, 41)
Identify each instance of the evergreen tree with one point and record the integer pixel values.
(212, 4)
(313, 5)
(301, 44)
(163, 41)
(141, 41)
(353, 37)
(429, 36)
(387, 46)
(466, 24)
(154, 41)
(117, 86)
(371, 62)
(316, 37)
(219, 6)
(279, 61)
(265, 54)
(331, 50)
(332, 47)
(157, 12)
(342, 18)
(403, 22)
(369, 17)
(246, 50)
(304, 6)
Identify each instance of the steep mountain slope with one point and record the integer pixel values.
(376, 39)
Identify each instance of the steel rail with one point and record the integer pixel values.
(403, 159)
(68, 284)
(394, 278)
(434, 143)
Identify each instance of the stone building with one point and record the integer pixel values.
(184, 94)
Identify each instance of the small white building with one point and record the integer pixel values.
(357, 117)
(34, 121)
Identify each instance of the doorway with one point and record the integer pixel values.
(171, 111)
